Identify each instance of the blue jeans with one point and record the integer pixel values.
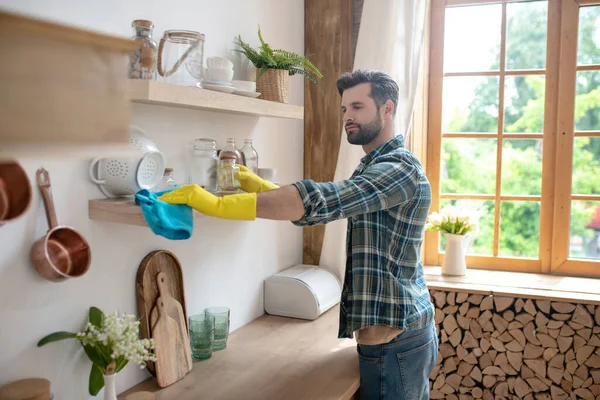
(399, 369)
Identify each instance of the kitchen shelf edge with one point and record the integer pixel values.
(160, 93)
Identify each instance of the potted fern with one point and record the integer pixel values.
(274, 67)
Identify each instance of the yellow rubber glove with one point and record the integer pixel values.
(236, 206)
(253, 183)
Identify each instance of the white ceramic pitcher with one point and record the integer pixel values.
(454, 258)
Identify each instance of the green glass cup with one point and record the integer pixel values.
(221, 317)
(202, 335)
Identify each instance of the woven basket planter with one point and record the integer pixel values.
(274, 85)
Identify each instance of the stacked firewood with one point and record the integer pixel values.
(495, 347)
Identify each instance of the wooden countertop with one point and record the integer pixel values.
(272, 358)
(517, 284)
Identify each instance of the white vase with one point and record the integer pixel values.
(454, 258)
(110, 390)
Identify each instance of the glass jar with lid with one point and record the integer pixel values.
(181, 57)
(204, 160)
(142, 61)
(167, 182)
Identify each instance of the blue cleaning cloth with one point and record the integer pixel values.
(173, 221)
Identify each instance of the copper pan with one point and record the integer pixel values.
(15, 191)
(63, 253)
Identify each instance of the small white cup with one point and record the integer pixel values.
(219, 63)
(267, 174)
(218, 74)
(245, 86)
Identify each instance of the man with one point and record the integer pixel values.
(385, 302)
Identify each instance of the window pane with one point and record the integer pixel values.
(587, 102)
(522, 167)
(586, 165)
(524, 103)
(470, 104)
(588, 49)
(483, 236)
(585, 230)
(519, 229)
(468, 166)
(472, 38)
(526, 25)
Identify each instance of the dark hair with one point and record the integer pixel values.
(383, 87)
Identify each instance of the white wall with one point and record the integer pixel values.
(224, 262)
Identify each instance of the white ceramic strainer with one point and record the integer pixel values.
(125, 176)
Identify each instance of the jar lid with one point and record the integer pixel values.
(169, 170)
(202, 143)
(143, 23)
(179, 35)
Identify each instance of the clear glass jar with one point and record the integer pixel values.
(250, 156)
(230, 152)
(142, 61)
(181, 57)
(167, 182)
(204, 160)
(227, 170)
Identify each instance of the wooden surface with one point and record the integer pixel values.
(328, 41)
(272, 358)
(434, 124)
(536, 286)
(26, 389)
(175, 311)
(147, 290)
(80, 96)
(550, 135)
(152, 92)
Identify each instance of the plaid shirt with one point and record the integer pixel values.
(386, 202)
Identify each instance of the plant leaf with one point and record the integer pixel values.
(121, 363)
(95, 356)
(55, 337)
(96, 317)
(96, 380)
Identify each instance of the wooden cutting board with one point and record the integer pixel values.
(173, 310)
(147, 289)
(170, 362)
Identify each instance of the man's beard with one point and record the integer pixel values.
(365, 133)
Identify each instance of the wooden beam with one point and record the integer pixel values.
(434, 148)
(328, 43)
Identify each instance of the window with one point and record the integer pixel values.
(514, 130)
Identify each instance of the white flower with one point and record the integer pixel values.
(435, 219)
(119, 336)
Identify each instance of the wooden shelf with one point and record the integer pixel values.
(517, 284)
(78, 99)
(121, 211)
(272, 358)
(152, 92)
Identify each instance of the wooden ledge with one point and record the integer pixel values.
(272, 358)
(517, 284)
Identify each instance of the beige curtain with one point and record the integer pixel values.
(390, 39)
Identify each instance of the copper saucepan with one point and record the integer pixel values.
(15, 191)
(63, 253)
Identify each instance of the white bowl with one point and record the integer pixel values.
(218, 74)
(219, 62)
(244, 86)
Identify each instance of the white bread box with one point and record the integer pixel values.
(303, 291)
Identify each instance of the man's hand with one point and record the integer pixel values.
(253, 183)
(235, 206)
